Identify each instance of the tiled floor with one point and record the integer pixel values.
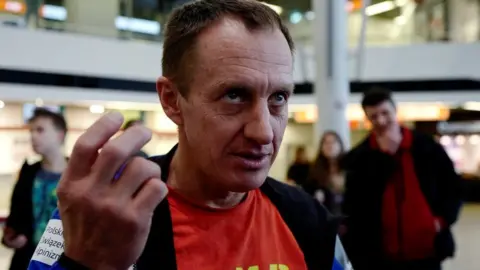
(467, 233)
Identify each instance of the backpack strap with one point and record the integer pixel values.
(312, 226)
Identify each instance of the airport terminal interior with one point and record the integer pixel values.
(85, 58)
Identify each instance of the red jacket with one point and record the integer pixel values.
(408, 225)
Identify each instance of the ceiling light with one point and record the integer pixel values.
(472, 106)
(98, 109)
(380, 8)
(445, 140)
(295, 17)
(474, 139)
(39, 102)
(460, 140)
(401, 2)
(13, 6)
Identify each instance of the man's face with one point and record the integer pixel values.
(235, 113)
(301, 155)
(382, 116)
(45, 137)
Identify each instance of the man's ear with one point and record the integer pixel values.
(170, 100)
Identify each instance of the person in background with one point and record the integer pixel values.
(132, 123)
(33, 13)
(34, 196)
(298, 172)
(326, 178)
(402, 195)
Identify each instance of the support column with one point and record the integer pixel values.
(94, 17)
(332, 86)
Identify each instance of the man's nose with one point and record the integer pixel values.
(258, 127)
(381, 121)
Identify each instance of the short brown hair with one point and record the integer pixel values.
(57, 119)
(375, 96)
(188, 21)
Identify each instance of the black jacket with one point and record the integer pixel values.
(20, 218)
(329, 197)
(313, 228)
(368, 171)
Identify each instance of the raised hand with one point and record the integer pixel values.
(105, 221)
(13, 240)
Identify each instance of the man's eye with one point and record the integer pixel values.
(279, 98)
(234, 95)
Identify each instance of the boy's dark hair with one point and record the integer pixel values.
(375, 96)
(57, 119)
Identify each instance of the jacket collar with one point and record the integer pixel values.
(164, 162)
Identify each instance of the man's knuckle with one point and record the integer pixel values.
(136, 163)
(83, 145)
(156, 187)
(114, 151)
(131, 221)
(62, 193)
(143, 165)
(142, 131)
(66, 192)
(153, 168)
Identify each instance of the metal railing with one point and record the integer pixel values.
(413, 25)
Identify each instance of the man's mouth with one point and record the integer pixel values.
(253, 160)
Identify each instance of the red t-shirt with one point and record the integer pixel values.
(250, 236)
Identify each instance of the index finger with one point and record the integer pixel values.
(85, 150)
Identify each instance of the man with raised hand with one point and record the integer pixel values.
(227, 67)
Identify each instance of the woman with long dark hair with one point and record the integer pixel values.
(326, 178)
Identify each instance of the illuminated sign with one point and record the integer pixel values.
(59, 13)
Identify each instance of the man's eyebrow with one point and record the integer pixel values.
(290, 87)
(231, 84)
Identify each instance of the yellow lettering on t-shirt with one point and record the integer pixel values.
(278, 267)
(255, 267)
(272, 267)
